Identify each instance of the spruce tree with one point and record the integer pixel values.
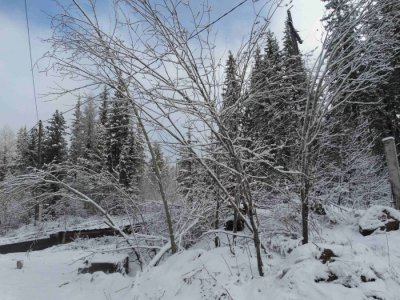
(185, 166)
(254, 105)
(103, 110)
(385, 117)
(123, 144)
(7, 151)
(77, 134)
(33, 144)
(103, 136)
(160, 160)
(55, 146)
(264, 125)
(118, 131)
(346, 118)
(89, 128)
(271, 100)
(230, 114)
(131, 163)
(23, 155)
(294, 98)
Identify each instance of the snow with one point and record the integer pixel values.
(106, 257)
(53, 274)
(375, 218)
(364, 268)
(217, 274)
(387, 139)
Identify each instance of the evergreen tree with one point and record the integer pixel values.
(55, 146)
(23, 155)
(118, 131)
(384, 118)
(294, 85)
(264, 125)
(254, 105)
(103, 135)
(7, 151)
(232, 121)
(344, 41)
(33, 143)
(270, 103)
(230, 115)
(103, 111)
(89, 128)
(77, 134)
(185, 166)
(122, 145)
(131, 163)
(346, 118)
(160, 161)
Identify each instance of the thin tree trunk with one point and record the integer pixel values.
(159, 181)
(304, 214)
(156, 168)
(256, 238)
(216, 224)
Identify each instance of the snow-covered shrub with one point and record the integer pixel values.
(348, 172)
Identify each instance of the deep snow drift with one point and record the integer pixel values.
(361, 267)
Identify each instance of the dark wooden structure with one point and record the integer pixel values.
(64, 237)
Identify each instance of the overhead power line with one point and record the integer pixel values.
(31, 61)
(61, 112)
(66, 111)
(216, 20)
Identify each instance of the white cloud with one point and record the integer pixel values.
(17, 106)
(306, 16)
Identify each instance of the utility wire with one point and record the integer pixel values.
(61, 112)
(30, 56)
(216, 20)
(192, 36)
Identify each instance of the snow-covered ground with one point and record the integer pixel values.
(53, 274)
(365, 267)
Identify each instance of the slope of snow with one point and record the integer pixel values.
(362, 268)
(217, 274)
(375, 217)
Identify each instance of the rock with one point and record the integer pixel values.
(118, 266)
(331, 277)
(326, 256)
(379, 217)
(20, 264)
(392, 224)
(367, 279)
(229, 225)
(318, 208)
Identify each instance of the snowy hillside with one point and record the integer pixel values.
(362, 267)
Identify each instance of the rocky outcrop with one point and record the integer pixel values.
(382, 218)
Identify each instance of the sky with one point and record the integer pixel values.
(17, 105)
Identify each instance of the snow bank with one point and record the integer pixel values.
(362, 267)
(378, 217)
(53, 274)
(199, 274)
(356, 273)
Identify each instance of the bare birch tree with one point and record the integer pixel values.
(162, 56)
